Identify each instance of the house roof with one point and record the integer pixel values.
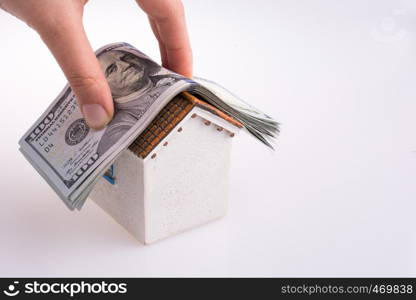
(168, 118)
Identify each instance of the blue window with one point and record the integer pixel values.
(110, 175)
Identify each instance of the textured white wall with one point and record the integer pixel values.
(188, 182)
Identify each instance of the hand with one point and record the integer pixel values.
(59, 24)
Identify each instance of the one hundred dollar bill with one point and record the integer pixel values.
(71, 157)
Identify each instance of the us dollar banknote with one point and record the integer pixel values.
(72, 157)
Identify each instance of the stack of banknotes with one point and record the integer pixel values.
(71, 157)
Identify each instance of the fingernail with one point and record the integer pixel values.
(95, 115)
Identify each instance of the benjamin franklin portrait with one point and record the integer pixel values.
(135, 83)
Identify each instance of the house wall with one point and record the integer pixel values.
(124, 200)
(187, 182)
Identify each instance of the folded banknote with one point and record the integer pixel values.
(72, 157)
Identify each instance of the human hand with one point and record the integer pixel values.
(59, 24)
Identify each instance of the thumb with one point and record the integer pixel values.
(72, 50)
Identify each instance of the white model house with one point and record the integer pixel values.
(175, 176)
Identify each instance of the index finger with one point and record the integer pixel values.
(167, 18)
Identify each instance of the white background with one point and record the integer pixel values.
(337, 198)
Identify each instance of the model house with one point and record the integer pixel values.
(175, 176)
